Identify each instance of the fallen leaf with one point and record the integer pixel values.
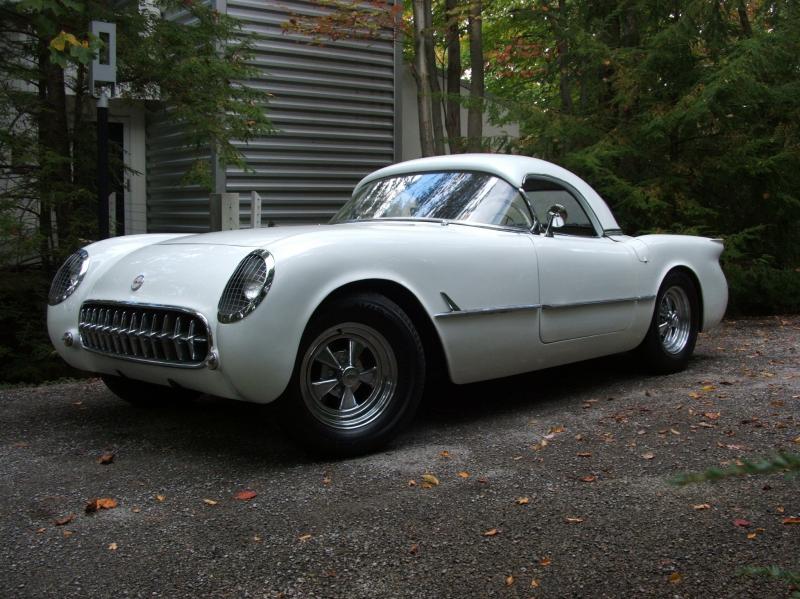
(430, 479)
(210, 502)
(675, 577)
(791, 520)
(796, 440)
(412, 483)
(40, 530)
(112, 547)
(579, 437)
(136, 510)
(540, 445)
(742, 522)
(708, 388)
(256, 539)
(102, 503)
(556, 429)
(517, 458)
(573, 519)
(675, 431)
(522, 500)
(492, 532)
(463, 474)
(67, 533)
(649, 455)
(444, 454)
(245, 495)
(304, 538)
(535, 583)
(712, 415)
(584, 454)
(588, 479)
(64, 520)
(779, 509)
(106, 458)
(509, 580)
(160, 498)
(326, 478)
(414, 549)
(705, 424)
(545, 561)
(694, 395)
(483, 480)
(702, 506)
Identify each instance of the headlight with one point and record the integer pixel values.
(247, 286)
(68, 277)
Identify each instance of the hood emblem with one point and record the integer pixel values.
(137, 283)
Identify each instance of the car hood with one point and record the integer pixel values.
(246, 237)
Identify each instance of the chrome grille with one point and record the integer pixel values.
(157, 334)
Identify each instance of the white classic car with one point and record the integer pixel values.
(468, 267)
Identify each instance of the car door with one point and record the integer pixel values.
(587, 282)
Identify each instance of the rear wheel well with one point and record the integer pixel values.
(691, 274)
(436, 364)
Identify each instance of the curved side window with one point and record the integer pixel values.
(543, 193)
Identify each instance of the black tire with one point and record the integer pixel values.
(146, 395)
(670, 352)
(358, 378)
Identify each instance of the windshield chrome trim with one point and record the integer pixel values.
(440, 221)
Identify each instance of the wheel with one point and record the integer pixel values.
(146, 395)
(673, 330)
(358, 379)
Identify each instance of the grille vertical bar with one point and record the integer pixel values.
(166, 335)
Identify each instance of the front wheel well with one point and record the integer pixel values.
(436, 363)
(691, 274)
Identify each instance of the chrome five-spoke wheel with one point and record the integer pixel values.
(359, 376)
(348, 376)
(674, 320)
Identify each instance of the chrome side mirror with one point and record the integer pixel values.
(556, 218)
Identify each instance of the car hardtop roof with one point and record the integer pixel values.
(511, 168)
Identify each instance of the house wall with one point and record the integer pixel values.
(334, 110)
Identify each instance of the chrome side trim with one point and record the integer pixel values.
(485, 311)
(617, 300)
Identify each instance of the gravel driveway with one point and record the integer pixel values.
(554, 484)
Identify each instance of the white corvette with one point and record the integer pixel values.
(466, 267)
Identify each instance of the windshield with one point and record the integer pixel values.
(471, 197)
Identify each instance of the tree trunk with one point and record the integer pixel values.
(422, 76)
(453, 104)
(562, 47)
(744, 20)
(476, 85)
(436, 88)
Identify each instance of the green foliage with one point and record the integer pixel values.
(789, 577)
(782, 462)
(684, 115)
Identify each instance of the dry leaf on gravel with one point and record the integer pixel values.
(588, 479)
(40, 530)
(106, 458)
(712, 415)
(411, 483)
(648, 455)
(245, 495)
(742, 522)
(492, 532)
(112, 547)
(796, 440)
(535, 583)
(545, 561)
(444, 454)
(522, 500)
(675, 577)
(584, 454)
(102, 503)
(791, 520)
(414, 549)
(160, 498)
(540, 445)
(67, 533)
(701, 506)
(304, 538)
(509, 580)
(429, 480)
(64, 520)
(556, 429)
(463, 474)
(210, 502)
(573, 519)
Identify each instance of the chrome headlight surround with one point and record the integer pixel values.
(68, 277)
(247, 287)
